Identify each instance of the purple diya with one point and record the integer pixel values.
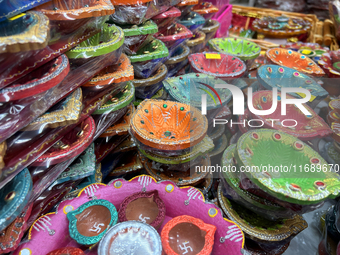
(53, 227)
(217, 64)
(146, 207)
(177, 60)
(166, 19)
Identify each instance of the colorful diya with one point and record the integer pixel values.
(210, 28)
(69, 10)
(299, 186)
(109, 40)
(70, 145)
(149, 58)
(185, 6)
(38, 81)
(336, 131)
(273, 76)
(294, 60)
(168, 125)
(281, 27)
(333, 116)
(89, 223)
(318, 50)
(303, 127)
(260, 229)
(193, 21)
(136, 37)
(196, 42)
(14, 197)
(189, 201)
(166, 19)
(11, 236)
(146, 88)
(173, 36)
(129, 163)
(207, 10)
(223, 66)
(334, 105)
(67, 251)
(177, 60)
(27, 32)
(131, 236)
(189, 234)
(330, 63)
(146, 207)
(65, 113)
(243, 49)
(120, 72)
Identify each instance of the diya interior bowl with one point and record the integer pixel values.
(173, 36)
(146, 88)
(243, 49)
(192, 20)
(130, 163)
(306, 127)
(225, 66)
(210, 28)
(274, 76)
(67, 250)
(38, 81)
(168, 125)
(206, 9)
(109, 40)
(294, 60)
(27, 32)
(196, 43)
(287, 186)
(69, 10)
(177, 60)
(136, 37)
(120, 72)
(334, 105)
(333, 116)
(185, 6)
(166, 19)
(149, 58)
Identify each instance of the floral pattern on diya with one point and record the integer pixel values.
(299, 187)
(307, 127)
(169, 125)
(294, 60)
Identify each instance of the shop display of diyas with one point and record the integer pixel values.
(115, 115)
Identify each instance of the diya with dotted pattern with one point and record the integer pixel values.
(149, 58)
(166, 19)
(192, 21)
(177, 60)
(196, 42)
(305, 128)
(189, 201)
(185, 6)
(226, 66)
(210, 28)
(301, 186)
(330, 63)
(206, 9)
(294, 60)
(14, 197)
(273, 76)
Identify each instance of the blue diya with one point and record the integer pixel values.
(193, 21)
(273, 76)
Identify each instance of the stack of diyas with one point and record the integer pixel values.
(172, 141)
(267, 200)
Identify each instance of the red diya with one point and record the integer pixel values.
(166, 19)
(189, 234)
(121, 71)
(38, 81)
(334, 105)
(207, 10)
(223, 66)
(146, 207)
(173, 36)
(67, 251)
(295, 60)
(304, 127)
(11, 236)
(70, 145)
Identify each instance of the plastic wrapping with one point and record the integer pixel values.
(167, 19)
(146, 88)
(196, 43)
(210, 28)
(206, 9)
(64, 36)
(193, 21)
(149, 58)
(177, 60)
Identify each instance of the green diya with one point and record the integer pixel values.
(286, 168)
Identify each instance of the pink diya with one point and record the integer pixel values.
(330, 63)
(295, 60)
(38, 81)
(229, 239)
(67, 251)
(166, 19)
(304, 127)
(11, 236)
(223, 66)
(70, 145)
(189, 234)
(207, 10)
(146, 207)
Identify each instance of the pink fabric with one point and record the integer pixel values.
(223, 16)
